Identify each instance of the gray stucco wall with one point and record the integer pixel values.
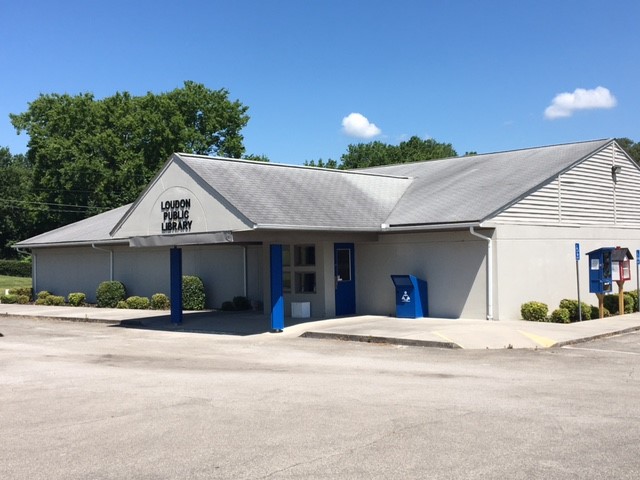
(538, 263)
(66, 270)
(453, 264)
(145, 271)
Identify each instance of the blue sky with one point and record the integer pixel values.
(484, 76)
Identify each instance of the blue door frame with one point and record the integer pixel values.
(345, 278)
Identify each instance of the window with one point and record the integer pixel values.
(286, 281)
(299, 275)
(305, 255)
(286, 256)
(343, 264)
(286, 269)
(305, 282)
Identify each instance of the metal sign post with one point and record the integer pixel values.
(578, 281)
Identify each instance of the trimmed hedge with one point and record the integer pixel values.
(15, 268)
(534, 311)
(22, 291)
(76, 299)
(241, 303)
(57, 300)
(109, 293)
(227, 307)
(238, 304)
(572, 307)
(159, 301)
(14, 298)
(46, 298)
(192, 293)
(633, 294)
(11, 298)
(138, 303)
(611, 303)
(560, 315)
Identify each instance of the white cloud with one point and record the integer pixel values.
(357, 125)
(564, 104)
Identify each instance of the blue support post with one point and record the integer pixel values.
(277, 297)
(176, 285)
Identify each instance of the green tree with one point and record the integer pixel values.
(417, 150)
(16, 220)
(321, 163)
(256, 158)
(371, 154)
(92, 155)
(631, 147)
(377, 153)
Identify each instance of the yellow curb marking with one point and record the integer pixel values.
(545, 342)
(447, 339)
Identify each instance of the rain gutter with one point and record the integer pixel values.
(110, 252)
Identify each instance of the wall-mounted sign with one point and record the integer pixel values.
(175, 215)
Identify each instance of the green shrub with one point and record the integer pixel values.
(43, 294)
(595, 313)
(122, 304)
(534, 311)
(15, 268)
(634, 294)
(27, 291)
(192, 293)
(47, 298)
(11, 298)
(76, 299)
(138, 303)
(227, 307)
(572, 307)
(159, 301)
(561, 315)
(56, 300)
(241, 303)
(611, 303)
(23, 299)
(110, 293)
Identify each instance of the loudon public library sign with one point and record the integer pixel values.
(175, 215)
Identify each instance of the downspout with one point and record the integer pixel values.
(489, 271)
(110, 252)
(245, 271)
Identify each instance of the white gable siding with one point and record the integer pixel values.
(208, 211)
(584, 195)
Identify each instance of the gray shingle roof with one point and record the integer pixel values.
(92, 229)
(285, 195)
(473, 189)
(437, 192)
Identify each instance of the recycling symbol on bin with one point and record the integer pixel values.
(405, 297)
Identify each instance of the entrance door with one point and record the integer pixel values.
(345, 279)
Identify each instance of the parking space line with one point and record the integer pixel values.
(601, 350)
(543, 341)
(447, 339)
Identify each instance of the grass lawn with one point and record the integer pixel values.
(13, 282)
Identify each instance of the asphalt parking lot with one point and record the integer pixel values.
(94, 401)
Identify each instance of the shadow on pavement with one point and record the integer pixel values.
(212, 322)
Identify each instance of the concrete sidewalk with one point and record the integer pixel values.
(434, 332)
